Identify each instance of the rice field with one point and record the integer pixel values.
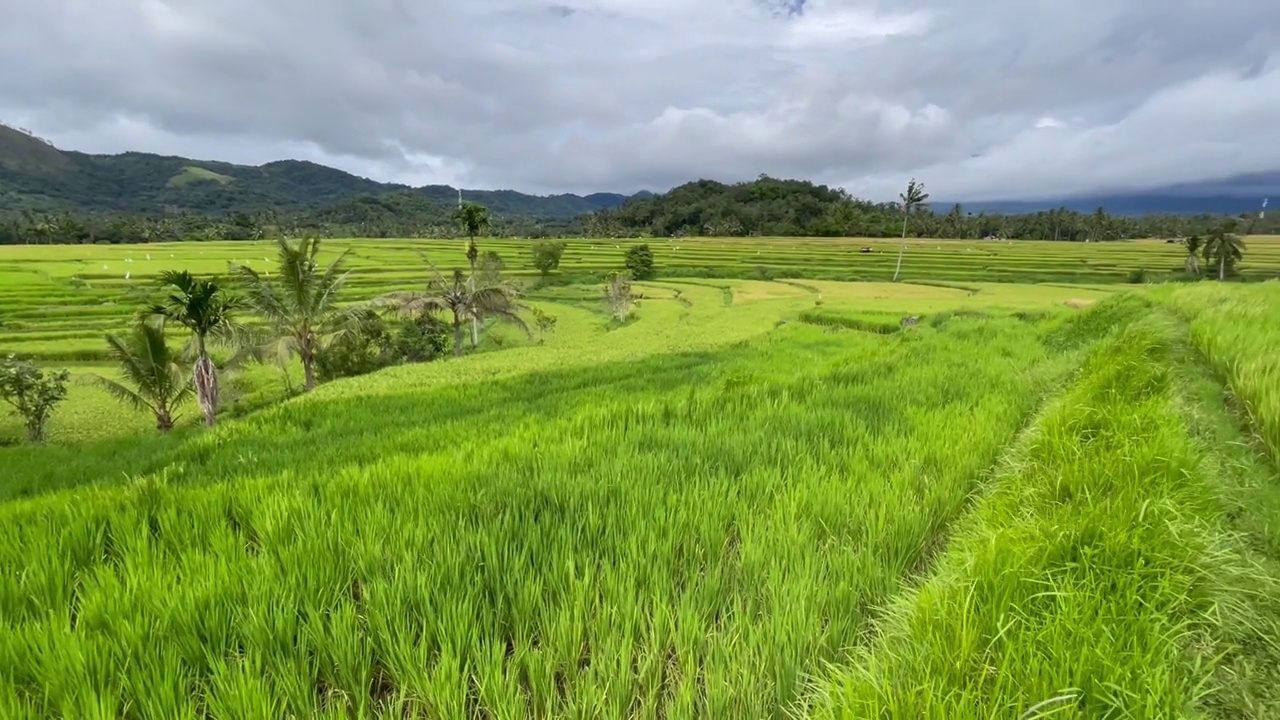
(758, 499)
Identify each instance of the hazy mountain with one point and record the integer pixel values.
(1226, 196)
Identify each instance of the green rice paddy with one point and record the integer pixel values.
(760, 498)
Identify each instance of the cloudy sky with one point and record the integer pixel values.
(982, 99)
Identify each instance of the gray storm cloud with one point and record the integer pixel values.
(995, 98)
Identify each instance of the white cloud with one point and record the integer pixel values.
(998, 98)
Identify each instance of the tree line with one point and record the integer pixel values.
(762, 207)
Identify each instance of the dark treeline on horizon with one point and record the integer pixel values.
(762, 207)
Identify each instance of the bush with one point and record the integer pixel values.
(1138, 276)
(378, 344)
(420, 338)
(546, 256)
(639, 262)
(32, 393)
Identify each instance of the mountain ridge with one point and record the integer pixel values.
(36, 176)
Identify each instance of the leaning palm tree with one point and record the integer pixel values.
(911, 199)
(208, 311)
(300, 303)
(1223, 248)
(462, 297)
(154, 375)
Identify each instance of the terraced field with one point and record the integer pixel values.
(759, 498)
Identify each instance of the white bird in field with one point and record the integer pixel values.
(128, 259)
(126, 275)
(104, 267)
(148, 256)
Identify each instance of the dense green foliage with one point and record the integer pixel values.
(639, 261)
(791, 208)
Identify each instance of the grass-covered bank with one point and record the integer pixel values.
(1102, 577)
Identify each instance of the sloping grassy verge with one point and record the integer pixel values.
(1096, 581)
(1237, 328)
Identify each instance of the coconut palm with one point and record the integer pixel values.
(464, 298)
(155, 378)
(911, 199)
(208, 311)
(1224, 249)
(300, 302)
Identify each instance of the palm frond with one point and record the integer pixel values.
(121, 393)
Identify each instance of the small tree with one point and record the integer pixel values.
(491, 266)
(639, 262)
(545, 321)
(546, 256)
(32, 393)
(911, 199)
(618, 297)
(155, 371)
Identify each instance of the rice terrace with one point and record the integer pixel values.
(754, 477)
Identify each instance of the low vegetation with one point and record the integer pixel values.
(700, 479)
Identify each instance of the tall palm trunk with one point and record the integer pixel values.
(475, 321)
(308, 356)
(457, 336)
(902, 248)
(1222, 267)
(205, 377)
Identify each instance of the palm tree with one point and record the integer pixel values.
(1193, 245)
(155, 371)
(302, 304)
(911, 199)
(1224, 248)
(464, 299)
(473, 218)
(203, 307)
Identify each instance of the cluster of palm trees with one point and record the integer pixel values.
(299, 315)
(1221, 249)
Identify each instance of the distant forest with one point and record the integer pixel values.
(763, 207)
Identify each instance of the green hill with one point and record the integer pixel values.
(36, 176)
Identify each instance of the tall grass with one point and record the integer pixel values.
(686, 536)
(1096, 581)
(1238, 330)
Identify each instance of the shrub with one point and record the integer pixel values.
(378, 344)
(32, 393)
(639, 261)
(546, 256)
